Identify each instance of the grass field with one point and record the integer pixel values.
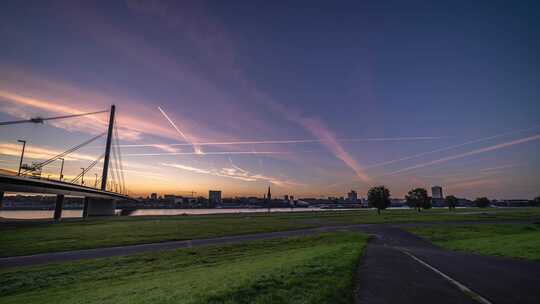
(510, 240)
(31, 237)
(314, 269)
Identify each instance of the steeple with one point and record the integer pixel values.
(269, 195)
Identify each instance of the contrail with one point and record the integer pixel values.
(195, 147)
(290, 141)
(210, 153)
(448, 148)
(474, 152)
(500, 167)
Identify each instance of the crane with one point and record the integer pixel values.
(192, 192)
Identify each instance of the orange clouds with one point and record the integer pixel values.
(34, 152)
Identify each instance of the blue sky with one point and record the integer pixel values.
(384, 92)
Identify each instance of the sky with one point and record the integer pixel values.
(312, 98)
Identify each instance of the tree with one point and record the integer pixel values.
(482, 202)
(451, 201)
(379, 197)
(427, 203)
(418, 198)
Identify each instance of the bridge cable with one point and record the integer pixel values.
(120, 157)
(42, 120)
(52, 159)
(92, 164)
(116, 169)
(113, 168)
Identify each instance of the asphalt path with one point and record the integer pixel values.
(400, 267)
(66, 256)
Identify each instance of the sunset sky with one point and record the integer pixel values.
(313, 99)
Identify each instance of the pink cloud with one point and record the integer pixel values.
(234, 172)
(470, 153)
(328, 139)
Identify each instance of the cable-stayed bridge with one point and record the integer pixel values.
(99, 199)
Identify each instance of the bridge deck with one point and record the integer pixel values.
(32, 185)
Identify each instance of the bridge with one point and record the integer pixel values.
(99, 200)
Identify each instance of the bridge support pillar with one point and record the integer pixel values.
(58, 207)
(1, 198)
(85, 207)
(100, 207)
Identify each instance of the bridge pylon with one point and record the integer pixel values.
(108, 149)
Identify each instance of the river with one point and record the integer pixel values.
(44, 214)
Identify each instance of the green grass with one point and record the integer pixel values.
(314, 269)
(31, 237)
(510, 240)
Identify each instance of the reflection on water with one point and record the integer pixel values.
(37, 214)
(43, 214)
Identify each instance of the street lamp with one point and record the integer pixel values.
(82, 176)
(22, 155)
(61, 169)
(95, 182)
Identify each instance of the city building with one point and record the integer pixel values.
(364, 203)
(169, 198)
(153, 196)
(214, 198)
(436, 192)
(437, 198)
(352, 196)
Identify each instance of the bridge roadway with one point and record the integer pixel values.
(96, 202)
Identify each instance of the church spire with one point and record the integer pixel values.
(269, 195)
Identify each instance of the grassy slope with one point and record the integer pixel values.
(21, 238)
(315, 269)
(511, 240)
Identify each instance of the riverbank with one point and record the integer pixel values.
(32, 237)
(313, 269)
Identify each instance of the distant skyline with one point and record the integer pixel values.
(313, 98)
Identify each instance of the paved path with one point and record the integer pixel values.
(399, 267)
(74, 255)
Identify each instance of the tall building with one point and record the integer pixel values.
(437, 198)
(214, 197)
(269, 195)
(352, 196)
(436, 192)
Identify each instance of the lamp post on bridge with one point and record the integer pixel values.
(22, 155)
(82, 176)
(61, 169)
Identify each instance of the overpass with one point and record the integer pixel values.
(97, 201)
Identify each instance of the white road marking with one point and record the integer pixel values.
(462, 287)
